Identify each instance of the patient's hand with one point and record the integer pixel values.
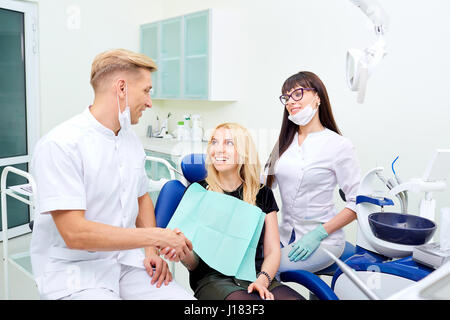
(190, 260)
(261, 288)
(178, 246)
(169, 253)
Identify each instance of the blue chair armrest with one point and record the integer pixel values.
(310, 281)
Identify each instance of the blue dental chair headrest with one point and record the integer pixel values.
(193, 168)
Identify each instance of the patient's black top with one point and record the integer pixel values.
(204, 274)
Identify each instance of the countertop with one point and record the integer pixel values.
(173, 147)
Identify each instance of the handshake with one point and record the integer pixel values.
(174, 245)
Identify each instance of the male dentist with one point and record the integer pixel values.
(93, 212)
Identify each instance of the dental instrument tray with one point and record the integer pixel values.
(401, 228)
(431, 255)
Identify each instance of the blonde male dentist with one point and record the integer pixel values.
(93, 212)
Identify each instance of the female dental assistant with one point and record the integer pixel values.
(308, 161)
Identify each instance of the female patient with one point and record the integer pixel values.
(233, 168)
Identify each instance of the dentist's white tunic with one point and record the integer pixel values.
(82, 165)
(307, 176)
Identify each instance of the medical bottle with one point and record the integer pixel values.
(197, 130)
(180, 130)
(187, 127)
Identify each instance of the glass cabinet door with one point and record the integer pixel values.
(19, 120)
(13, 107)
(171, 58)
(196, 59)
(150, 47)
(13, 120)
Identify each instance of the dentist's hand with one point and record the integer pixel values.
(157, 269)
(304, 247)
(175, 240)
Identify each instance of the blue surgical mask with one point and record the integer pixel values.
(124, 117)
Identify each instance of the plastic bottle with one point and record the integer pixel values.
(197, 130)
(180, 130)
(187, 127)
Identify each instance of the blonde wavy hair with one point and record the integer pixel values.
(249, 166)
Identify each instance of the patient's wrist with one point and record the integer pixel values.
(264, 276)
(190, 261)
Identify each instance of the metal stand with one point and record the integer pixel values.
(21, 260)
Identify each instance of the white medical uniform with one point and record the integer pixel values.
(307, 176)
(82, 165)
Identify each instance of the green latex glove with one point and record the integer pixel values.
(304, 247)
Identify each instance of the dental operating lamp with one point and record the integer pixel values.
(361, 63)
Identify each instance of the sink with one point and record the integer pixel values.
(401, 228)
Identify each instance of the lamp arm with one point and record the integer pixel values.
(373, 10)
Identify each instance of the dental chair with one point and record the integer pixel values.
(193, 169)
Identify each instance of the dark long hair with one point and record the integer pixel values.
(304, 79)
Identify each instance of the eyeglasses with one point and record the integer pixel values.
(296, 95)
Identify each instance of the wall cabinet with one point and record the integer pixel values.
(150, 45)
(197, 56)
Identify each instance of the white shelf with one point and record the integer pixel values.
(173, 147)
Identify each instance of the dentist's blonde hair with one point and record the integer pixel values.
(108, 62)
(248, 168)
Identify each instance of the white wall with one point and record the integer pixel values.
(406, 111)
(69, 42)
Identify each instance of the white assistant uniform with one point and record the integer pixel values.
(82, 165)
(307, 176)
